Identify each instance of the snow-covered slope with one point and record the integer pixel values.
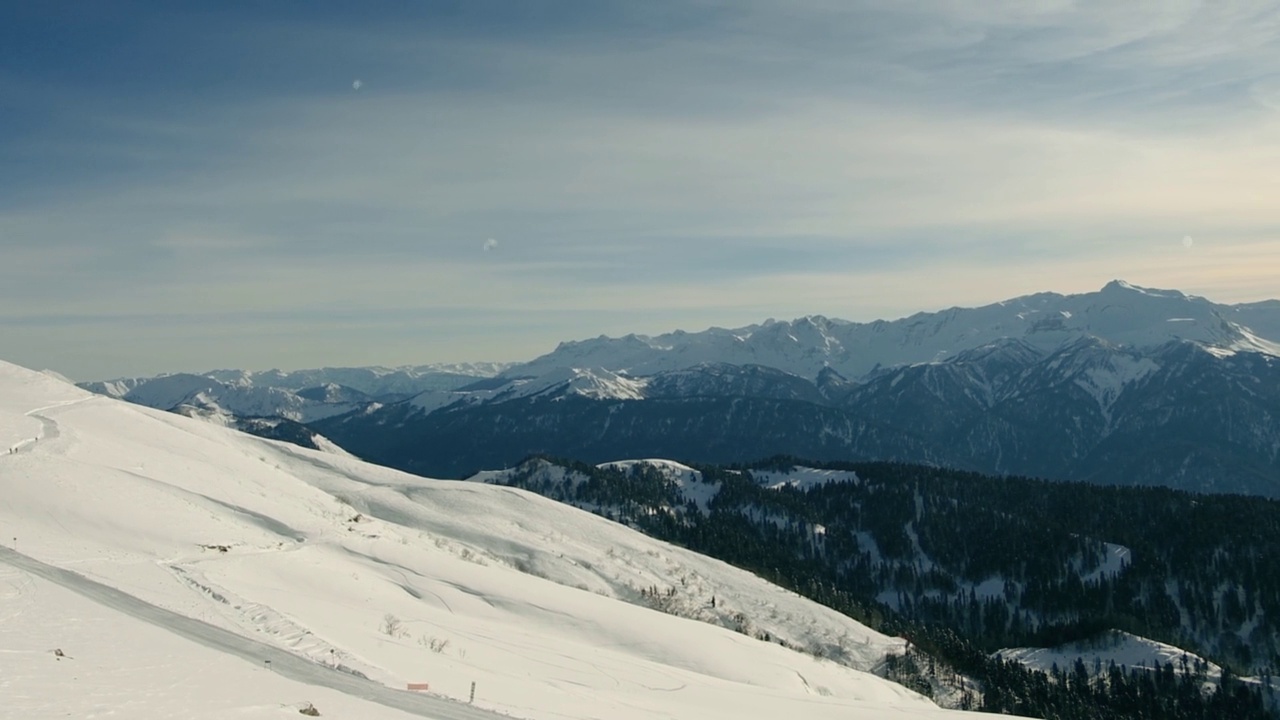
(118, 661)
(802, 478)
(1261, 317)
(1125, 650)
(170, 559)
(214, 397)
(1129, 653)
(594, 383)
(1119, 314)
(373, 381)
(299, 395)
(691, 485)
(687, 484)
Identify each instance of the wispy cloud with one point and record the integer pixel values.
(662, 164)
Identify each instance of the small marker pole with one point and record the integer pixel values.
(473, 692)
(267, 663)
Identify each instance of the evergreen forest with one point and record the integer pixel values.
(963, 565)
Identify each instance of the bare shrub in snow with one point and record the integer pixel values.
(437, 645)
(392, 627)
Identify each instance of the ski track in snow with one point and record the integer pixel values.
(285, 663)
(48, 426)
(302, 668)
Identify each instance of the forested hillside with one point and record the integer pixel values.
(967, 564)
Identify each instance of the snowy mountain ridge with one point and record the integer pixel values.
(1125, 385)
(368, 382)
(373, 380)
(1120, 314)
(229, 397)
(1182, 414)
(1125, 650)
(593, 383)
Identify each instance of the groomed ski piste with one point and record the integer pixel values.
(156, 566)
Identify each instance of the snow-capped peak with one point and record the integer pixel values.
(601, 384)
(1120, 286)
(594, 383)
(1120, 313)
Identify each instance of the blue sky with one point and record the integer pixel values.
(186, 186)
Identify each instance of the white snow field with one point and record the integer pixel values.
(186, 570)
(1128, 652)
(686, 478)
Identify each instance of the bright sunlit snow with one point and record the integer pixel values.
(802, 478)
(196, 554)
(689, 481)
(597, 383)
(1125, 650)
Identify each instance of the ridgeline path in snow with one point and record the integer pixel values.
(284, 663)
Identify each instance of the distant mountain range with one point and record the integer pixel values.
(1120, 314)
(277, 404)
(1126, 385)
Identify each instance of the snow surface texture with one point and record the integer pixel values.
(157, 563)
(686, 478)
(595, 383)
(802, 478)
(1125, 650)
